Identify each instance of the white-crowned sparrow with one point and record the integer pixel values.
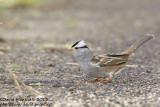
(103, 67)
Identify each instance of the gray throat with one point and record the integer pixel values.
(84, 61)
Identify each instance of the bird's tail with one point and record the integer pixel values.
(137, 44)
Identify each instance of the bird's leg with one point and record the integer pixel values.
(108, 78)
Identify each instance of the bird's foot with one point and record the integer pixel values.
(105, 79)
(99, 79)
(95, 80)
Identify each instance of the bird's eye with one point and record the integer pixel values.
(76, 47)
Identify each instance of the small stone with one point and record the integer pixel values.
(50, 64)
(31, 69)
(130, 102)
(148, 71)
(3, 49)
(71, 89)
(2, 40)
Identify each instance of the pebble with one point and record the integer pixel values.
(71, 89)
(31, 69)
(50, 64)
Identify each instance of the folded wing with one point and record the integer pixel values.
(110, 59)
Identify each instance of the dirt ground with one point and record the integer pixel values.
(29, 36)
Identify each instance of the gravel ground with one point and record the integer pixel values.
(29, 34)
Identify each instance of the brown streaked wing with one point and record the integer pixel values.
(99, 58)
(105, 60)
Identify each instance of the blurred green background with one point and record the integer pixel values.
(51, 20)
(17, 3)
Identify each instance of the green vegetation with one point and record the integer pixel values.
(17, 3)
(15, 66)
(35, 84)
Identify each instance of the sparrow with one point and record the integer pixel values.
(103, 67)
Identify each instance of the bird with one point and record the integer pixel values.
(103, 67)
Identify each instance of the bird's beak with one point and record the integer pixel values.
(70, 49)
